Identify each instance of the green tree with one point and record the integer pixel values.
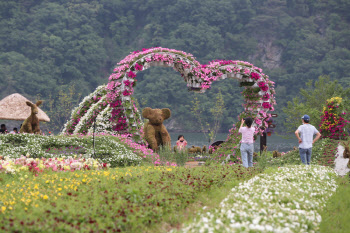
(311, 101)
(59, 108)
(217, 111)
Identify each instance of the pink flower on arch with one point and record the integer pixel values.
(266, 105)
(128, 83)
(266, 97)
(254, 75)
(263, 86)
(126, 93)
(258, 121)
(138, 67)
(131, 74)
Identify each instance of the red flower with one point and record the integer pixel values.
(127, 82)
(131, 74)
(126, 93)
(254, 75)
(266, 105)
(138, 67)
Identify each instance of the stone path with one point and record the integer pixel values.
(341, 164)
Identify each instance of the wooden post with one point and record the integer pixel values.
(262, 142)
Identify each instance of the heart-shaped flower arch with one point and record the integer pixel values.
(113, 107)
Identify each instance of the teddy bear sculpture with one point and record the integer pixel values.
(155, 132)
(31, 124)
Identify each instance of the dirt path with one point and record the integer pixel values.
(341, 164)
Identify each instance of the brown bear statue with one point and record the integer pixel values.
(155, 132)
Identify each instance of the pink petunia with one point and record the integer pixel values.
(138, 67)
(255, 76)
(131, 74)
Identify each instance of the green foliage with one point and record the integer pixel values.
(59, 108)
(46, 46)
(167, 155)
(335, 213)
(311, 101)
(323, 153)
(107, 149)
(263, 160)
(209, 130)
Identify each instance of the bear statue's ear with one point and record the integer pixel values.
(147, 112)
(29, 103)
(166, 113)
(39, 102)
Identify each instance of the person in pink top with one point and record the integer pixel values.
(181, 143)
(247, 142)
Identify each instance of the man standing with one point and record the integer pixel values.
(306, 139)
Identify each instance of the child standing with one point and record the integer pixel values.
(181, 143)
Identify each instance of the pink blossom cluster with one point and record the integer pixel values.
(145, 51)
(255, 76)
(333, 125)
(266, 105)
(54, 164)
(266, 97)
(263, 86)
(118, 117)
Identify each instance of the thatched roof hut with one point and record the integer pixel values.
(14, 107)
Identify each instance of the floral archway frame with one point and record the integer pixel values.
(114, 102)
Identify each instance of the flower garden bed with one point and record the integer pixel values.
(285, 200)
(60, 180)
(119, 199)
(116, 150)
(13, 166)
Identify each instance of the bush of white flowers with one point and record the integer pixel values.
(107, 149)
(287, 200)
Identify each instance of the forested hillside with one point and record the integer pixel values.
(49, 45)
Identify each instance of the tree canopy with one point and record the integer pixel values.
(48, 45)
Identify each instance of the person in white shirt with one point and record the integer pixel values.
(306, 139)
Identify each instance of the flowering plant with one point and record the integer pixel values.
(332, 120)
(23, 163)
(261, 204)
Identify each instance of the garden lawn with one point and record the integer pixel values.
(286, 199)
(129, 199)
(335, 216)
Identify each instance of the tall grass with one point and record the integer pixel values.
(167, 155)
(336, 214)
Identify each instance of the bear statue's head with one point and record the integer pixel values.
(156, 116)
(34, 106)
